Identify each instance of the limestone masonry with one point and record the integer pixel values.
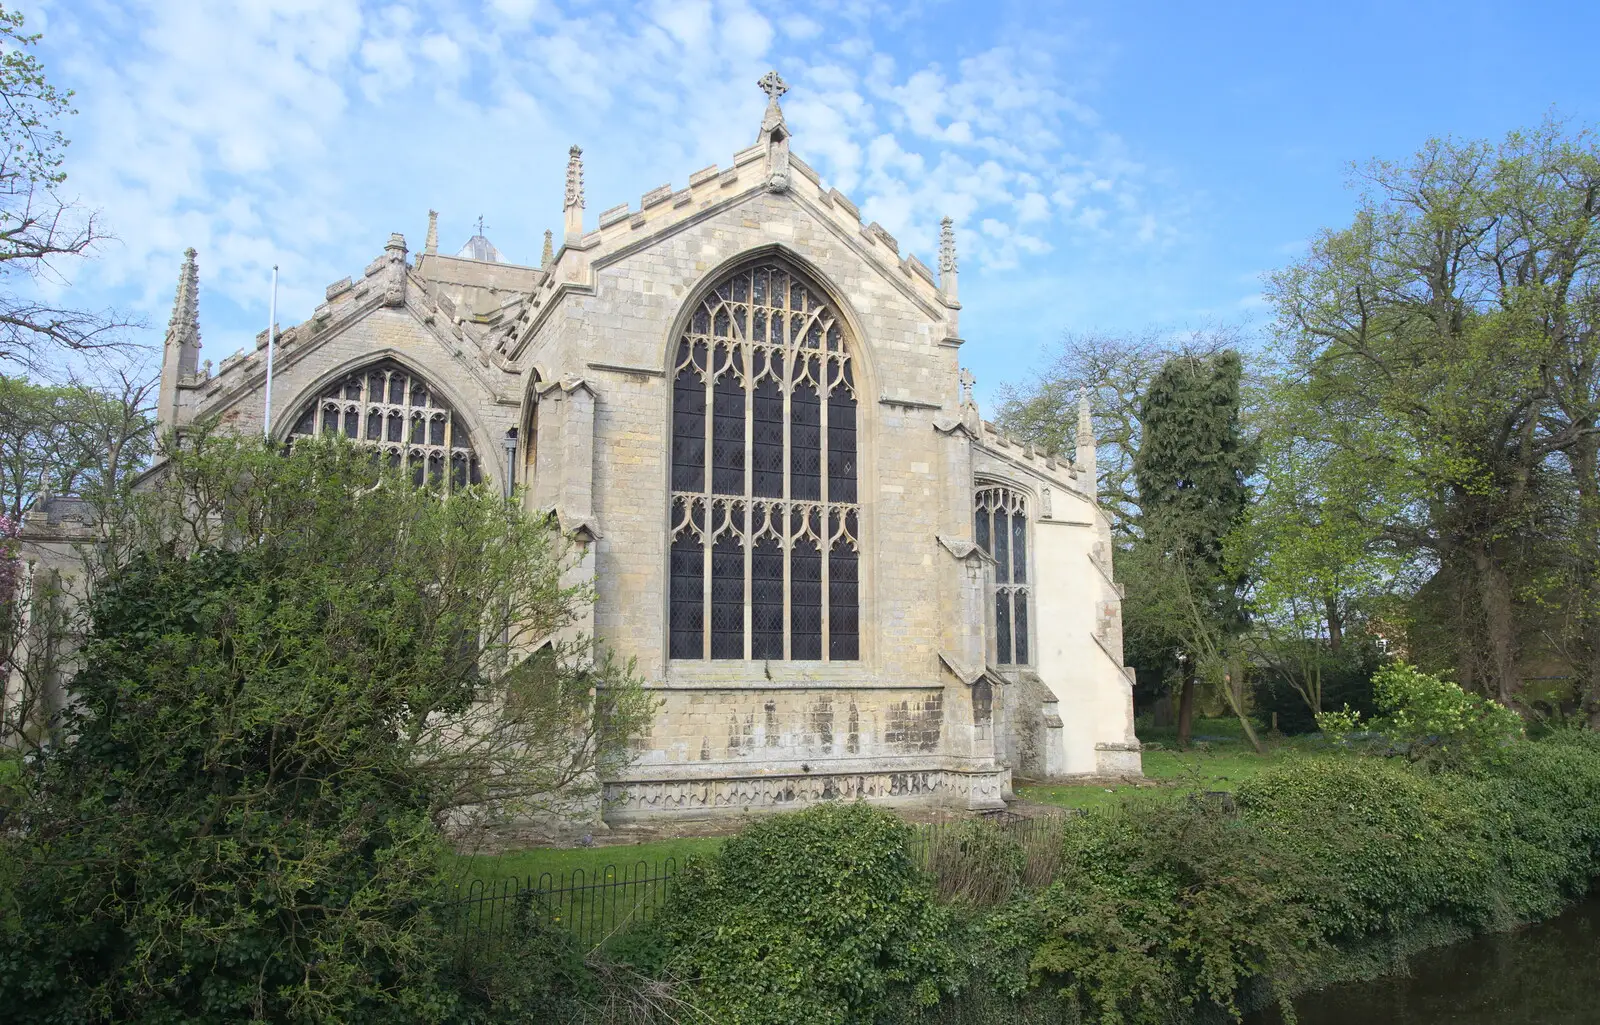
(749, 409)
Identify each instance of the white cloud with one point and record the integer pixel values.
(303, 131)
(443, 51)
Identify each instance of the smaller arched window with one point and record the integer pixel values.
(396, 412)
(1001, 529)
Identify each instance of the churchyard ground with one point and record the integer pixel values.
(1218, 759)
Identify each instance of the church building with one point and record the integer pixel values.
(749, 410)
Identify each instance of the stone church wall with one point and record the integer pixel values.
(577, 355)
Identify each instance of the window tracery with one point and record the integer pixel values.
(765, 531)
(1001, 529)
(395, 411)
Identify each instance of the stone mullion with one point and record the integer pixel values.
(366, 406)
(788, 498)
(749, 472)
(710, 512)
(825, 392)
(405, 425)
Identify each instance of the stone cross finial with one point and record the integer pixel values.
(549, 249)
(774, 133)
(431, 244)
(574, 178)
(773, 85)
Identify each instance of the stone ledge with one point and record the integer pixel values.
(730, 796)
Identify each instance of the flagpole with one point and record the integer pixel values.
(272, 330)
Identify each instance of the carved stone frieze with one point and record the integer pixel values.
(651, 798)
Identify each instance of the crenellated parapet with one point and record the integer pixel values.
(767, 166)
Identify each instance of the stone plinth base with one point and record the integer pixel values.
(644, 799)
(1118, 759)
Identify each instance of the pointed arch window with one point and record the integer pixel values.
(765, 521)
(1001, 529)
(395, 411)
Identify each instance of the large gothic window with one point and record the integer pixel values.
(765, 520)
(1002, 530)
(394, 411)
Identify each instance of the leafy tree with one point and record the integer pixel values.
(38, 227)
(1191, 469)
(1448, 338)
(1312, 565)
(299, 671)
(1116, 370)
(89, 437)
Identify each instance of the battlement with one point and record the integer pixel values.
(1024, 453)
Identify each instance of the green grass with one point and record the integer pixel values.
(1218, 759)
(593, 861)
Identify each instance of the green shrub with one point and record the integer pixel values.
(1541, 805)
(1166, 908)
(534, 973)
(1378, 844)
(818, 917)
(1431, 718)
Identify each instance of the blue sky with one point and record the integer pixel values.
(1110, 166)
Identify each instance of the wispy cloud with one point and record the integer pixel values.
(300, 132)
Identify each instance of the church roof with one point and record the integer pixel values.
(481, 249)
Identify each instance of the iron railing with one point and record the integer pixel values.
(594, 905)
(589, 905)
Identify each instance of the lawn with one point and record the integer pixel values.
(564, 864)
(1219, 758)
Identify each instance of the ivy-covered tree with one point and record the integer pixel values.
(300, 671)
(1192, 467)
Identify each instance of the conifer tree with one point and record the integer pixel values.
(1191, 470)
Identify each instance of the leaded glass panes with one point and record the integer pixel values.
(687, 614)
(767, 447)
(688, 426)
(1019, 619)
(390, 409)
(841, 440)
(1001, 529)
(766, 491)
(766, 599)
(727, 597)
(727, 435)
(805, 442)
(843, 611)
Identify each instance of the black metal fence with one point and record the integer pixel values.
(594, 905)
(590, 905)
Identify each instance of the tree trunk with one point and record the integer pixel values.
(1233, 690)
(1335, 624)
(1494, 594)
(1185, 711)
(1586, 468)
